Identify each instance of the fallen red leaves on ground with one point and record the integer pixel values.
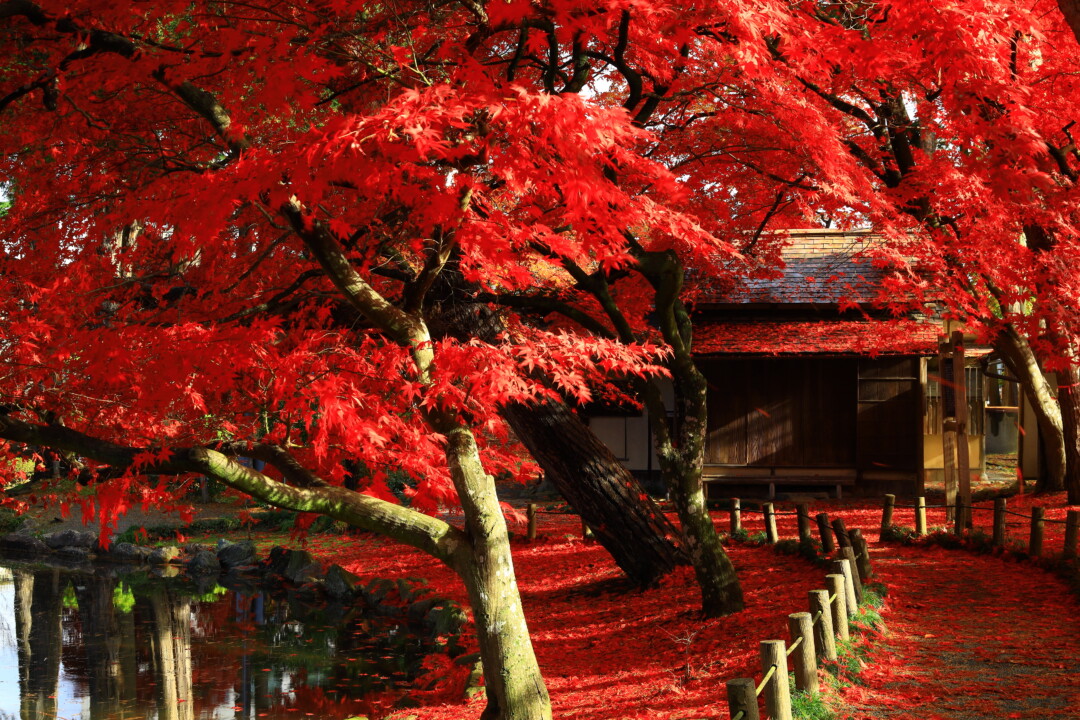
(608, 651)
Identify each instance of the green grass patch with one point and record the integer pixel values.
(809, 706)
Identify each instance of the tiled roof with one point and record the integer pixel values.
(822, 267)
(815, 337)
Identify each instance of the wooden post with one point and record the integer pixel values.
(771, 536)
(959, 522)
(530, 533)
(777, 691)
(886, 516)
(804, 657)
(843, 540)
(1072, 533)
(805, 534)
(856, 580)
(862, 554)
(838, 586)
(1035, 542)
(827, 545)
(963, 461)
(843, 567)
(920, 516)
(736, 515)
(742, 697)
(999, 522)
(824, 640)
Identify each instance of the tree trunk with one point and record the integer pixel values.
(681, 462)
(610, 500)
(1016, 351)
(1069, 402)
(515, 689)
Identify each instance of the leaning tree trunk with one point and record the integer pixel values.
(1069, 402)
(624, 519)
(610, 500)
(1016, 351)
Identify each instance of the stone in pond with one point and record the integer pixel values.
(128, 553)
(296, 566)
(70, 538)
(164, 555)
(204, 562)
(25, 542)
(236, 554)
(340, 584)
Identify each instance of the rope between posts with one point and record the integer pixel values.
(765, 680)
(982, 509)
(797, 643)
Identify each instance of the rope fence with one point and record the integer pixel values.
(960, 513)
(813, 639)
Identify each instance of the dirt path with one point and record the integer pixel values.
(970, 637)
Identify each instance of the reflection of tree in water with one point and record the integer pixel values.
(37, 629)
(258, 655)
(170, 645)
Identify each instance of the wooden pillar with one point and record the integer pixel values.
(837, 587)
(1035, 542)
(530, 534)
(769, 512)
(886, 516)
(948, 426)
(736, 515)
(805, 534)
(842, 537)
(1072, 533)
(963, 460)
(827, 544)
(862, 554)
(742, 697)
(999, 522)
(777, 690)
(804, 657)
(920, 516)
(821, 610)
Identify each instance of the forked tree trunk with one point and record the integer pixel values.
(1016, 351)
(610, 500)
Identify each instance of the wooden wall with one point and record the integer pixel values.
(814, 412)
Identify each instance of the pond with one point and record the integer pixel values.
(108, 644)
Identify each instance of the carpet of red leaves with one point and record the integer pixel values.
(969, 637)
(607, 651)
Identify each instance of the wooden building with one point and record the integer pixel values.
(812, 384)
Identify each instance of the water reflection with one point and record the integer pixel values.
(101, 646)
